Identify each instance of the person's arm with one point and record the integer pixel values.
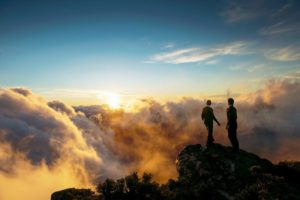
(216, 120)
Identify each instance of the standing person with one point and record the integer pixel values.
(208, 117)
(232, 125)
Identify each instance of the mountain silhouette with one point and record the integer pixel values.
(215, 172)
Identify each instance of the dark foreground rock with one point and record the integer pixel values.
(218, 173)
(205, 173)
(74, 194)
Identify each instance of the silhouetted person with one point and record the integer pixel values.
(232, 125)
(208, 117)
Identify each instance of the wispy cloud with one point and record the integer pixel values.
(250, 67)
(284, 20)
(172, 57)
(238, 11)
(280, 28)
(283, 54)
(282, 9)
(282, 17)
(293, 75)
(212, 62)
(191, 55)
(169, 45)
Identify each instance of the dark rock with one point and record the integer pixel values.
(217, 172)
(209, 173)
(74, 194)
(195, 163)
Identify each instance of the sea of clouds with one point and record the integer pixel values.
(48, 146)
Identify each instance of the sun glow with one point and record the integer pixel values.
(117, 101)
(113, 100)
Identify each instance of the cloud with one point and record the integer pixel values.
(269, 121)
(61, 107)
(239, 11)
(293, 76)
(191, 55)
(285, 20)
(169, 45)
(282, 17)
(250, 67)
(289, 53)
(212, 62)
(37, 182)
(53, 146)
(168, 57)
(40, 143)
(30, 126)
(152, 136)
(283, 9)
(22, 91)
(281, 27)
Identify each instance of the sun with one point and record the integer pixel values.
(113, 100)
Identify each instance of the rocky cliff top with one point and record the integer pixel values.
(206, 173)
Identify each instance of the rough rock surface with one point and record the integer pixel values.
(217, 172)
(195, 163)
(205, 173)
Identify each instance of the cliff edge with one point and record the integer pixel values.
(215, 172)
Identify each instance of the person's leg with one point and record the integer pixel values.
(235, 140)
(232, 137)
(210, 138)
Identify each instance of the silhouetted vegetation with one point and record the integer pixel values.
(130, 187)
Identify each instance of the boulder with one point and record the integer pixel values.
(217, 172)
(74, 194)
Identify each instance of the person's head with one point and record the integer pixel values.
(230, 101)
(208, 102)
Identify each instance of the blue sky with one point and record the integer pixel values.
(147, 48)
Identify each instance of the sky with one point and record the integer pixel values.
(66, 65)
(76, 50)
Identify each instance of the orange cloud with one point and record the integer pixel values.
(47, 146)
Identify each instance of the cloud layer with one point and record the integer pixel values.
(289, 53)
(47, 146)
(39, 143)
(191, 55)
